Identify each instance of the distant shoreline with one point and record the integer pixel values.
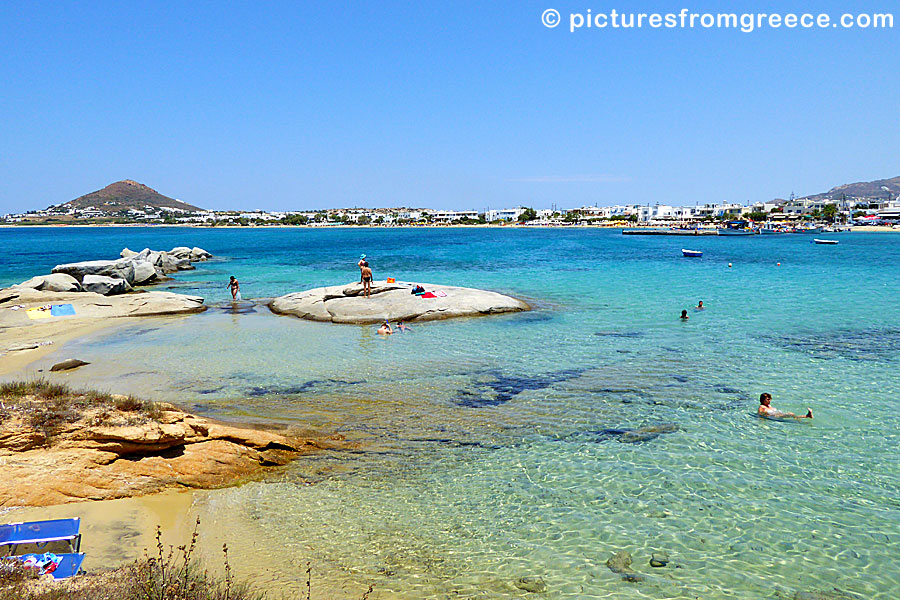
(855, 229)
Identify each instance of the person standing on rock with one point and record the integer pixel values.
(360, 264)
(366, 278)
(235, 288)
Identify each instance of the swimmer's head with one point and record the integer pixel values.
(765, 398)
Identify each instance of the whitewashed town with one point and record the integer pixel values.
(129, 202)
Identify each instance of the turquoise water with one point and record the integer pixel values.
(485, 446)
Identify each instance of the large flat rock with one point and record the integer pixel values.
(394, 301)
(89, 305)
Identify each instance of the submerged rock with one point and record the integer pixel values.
(394, 301)
(68, 365)
(535, 585)
(620, 563)
(659, 559)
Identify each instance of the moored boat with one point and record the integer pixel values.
(821, 241)
(691, 253)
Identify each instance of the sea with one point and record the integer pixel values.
(511, 456)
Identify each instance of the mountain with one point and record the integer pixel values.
(879, 189)
(125, 195)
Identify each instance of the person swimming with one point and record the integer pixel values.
(699, 305)
(684, 315)
(401, 327)
(766, 410)
(385, 328)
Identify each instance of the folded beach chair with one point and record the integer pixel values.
(14, 537)
(69, 566)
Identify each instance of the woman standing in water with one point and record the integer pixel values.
(235, 288)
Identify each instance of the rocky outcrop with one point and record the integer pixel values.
(56, 282)
(117, 269)
(394, 301)
(133, 268)
(88, 305)
(123, 447)
(105, 286)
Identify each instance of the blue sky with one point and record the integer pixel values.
(466, 105)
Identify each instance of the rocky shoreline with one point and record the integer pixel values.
(79, 297)
(59, 446)
(112, 277)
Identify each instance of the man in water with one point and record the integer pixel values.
(235, 288)
(770, 412)
(385, 328)
(684, 315)
(700, 305)
(401, 327)
(366, 273)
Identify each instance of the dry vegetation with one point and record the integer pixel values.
(172, 574)
(50, 407)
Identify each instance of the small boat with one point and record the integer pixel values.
(736, 228)
(692, 253)
(820, 241)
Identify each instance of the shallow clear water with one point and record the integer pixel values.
(486, 451)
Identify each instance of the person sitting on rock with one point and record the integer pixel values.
(385, 328)
(768, 411)
(366, 278)
(418, 289)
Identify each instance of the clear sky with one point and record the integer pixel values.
(467, 105)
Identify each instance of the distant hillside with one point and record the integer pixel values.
(125, 195)
(879, 189)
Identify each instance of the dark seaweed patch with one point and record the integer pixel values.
(620, 334)
(304, 387)
(626, 436)
(525, 318)
(503, 388)
(863, 345)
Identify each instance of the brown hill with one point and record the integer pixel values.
(879, 189)
(125, 195)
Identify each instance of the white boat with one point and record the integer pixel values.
(691, 253)
(820, 241)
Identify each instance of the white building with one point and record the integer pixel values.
(503, 214)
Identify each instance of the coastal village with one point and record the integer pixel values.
(129, 202)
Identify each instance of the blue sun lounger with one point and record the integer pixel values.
(18, 539)
(58, 533)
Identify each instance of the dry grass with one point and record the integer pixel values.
(51, 407)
